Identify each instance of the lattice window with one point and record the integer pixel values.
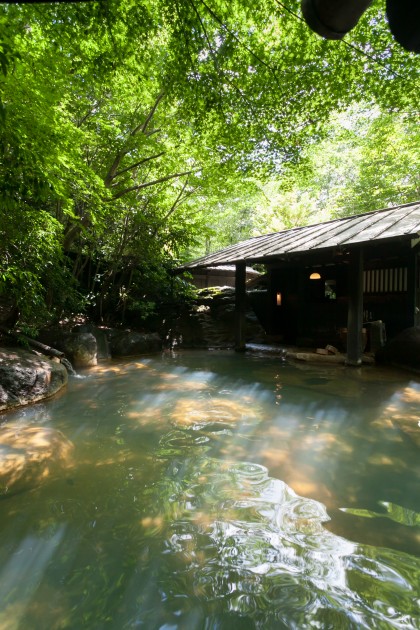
(392, 280)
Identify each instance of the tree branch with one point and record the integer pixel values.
(147, 184)
(151, 132)
(113, 169)
(143, 126)
(237, 39)
(139, 163)
(180, 199)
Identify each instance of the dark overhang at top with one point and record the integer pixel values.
(392, 223)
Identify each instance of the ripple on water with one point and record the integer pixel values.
(236, 530)
(175, 442)
(252, 473)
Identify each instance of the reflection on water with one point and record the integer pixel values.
(213, 490)
(270, 544)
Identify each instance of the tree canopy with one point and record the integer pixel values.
(129, 126)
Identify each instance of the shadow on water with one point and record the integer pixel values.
(211, 490)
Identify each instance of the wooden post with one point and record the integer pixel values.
(417, 290)
(302, 311)
(355, 308)
(240, 297)
(413, 293)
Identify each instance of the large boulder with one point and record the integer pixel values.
(80, 348)
(26, 377)
(86, 342)
(100, 334)
(31, 455)
(125, 343)
(402, 350)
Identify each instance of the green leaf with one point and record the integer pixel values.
(394, 512)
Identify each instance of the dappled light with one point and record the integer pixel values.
(411, 395)
(212, 410)
(385, 461)
(173, 382)
(404, 412)
(146, 417)
(29, 455)
(121, 369)
(184, 489)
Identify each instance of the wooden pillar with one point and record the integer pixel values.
(417, 290)
(240, 298)
(271, 315)
(355, 308)
(413, 301)
(301, 306)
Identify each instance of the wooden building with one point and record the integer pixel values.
(221, 276)
(331, 280)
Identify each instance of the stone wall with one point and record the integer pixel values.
(211, 321)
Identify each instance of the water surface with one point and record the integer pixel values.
(217, 490)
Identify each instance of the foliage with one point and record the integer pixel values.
(133, 132)
(394, 512)
(367, 160)
(388, 169)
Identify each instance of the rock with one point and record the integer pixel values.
(325, 358)
(26, 377)
(315, 356)
(83, 345)
(30, 456)
(125, 343)
(79, 347)
(100, 334)
(403, 350)
(331, 349)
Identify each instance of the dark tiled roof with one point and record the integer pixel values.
(397, 222)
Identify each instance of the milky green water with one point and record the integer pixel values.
(218, 490)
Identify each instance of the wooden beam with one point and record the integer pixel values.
(240, 298)
(355, 308)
